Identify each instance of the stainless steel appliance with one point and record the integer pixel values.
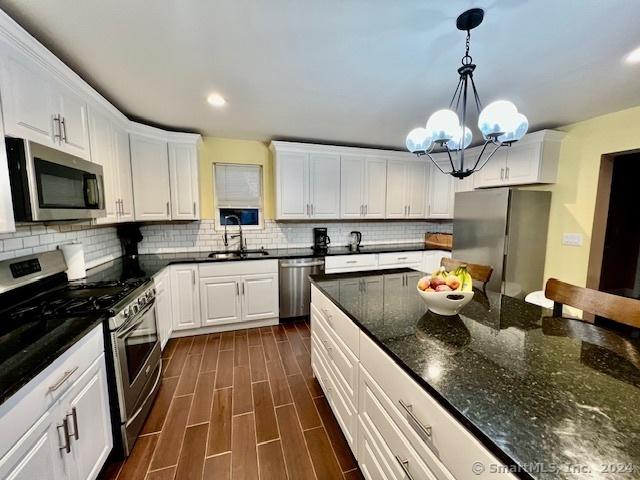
(36, 299)
(295, 286)
(321, 239)
(47, 184)
(507, 229)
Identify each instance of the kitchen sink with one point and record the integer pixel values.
(255, 253)
(234, 255)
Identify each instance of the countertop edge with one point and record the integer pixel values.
(500, 454)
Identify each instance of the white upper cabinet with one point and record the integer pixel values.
(441, 190)
(324, 186)
(183, 172)
(150, 170)
(534, 159)
(362, 186)
(38, 107)
(406, 189)
(307, 184)
(7, 222)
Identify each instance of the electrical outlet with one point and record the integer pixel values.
(572, 239)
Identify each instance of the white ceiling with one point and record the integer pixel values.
(343, 71)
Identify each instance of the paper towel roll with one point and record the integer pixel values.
(74, 257)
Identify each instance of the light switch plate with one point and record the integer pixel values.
(572, 239)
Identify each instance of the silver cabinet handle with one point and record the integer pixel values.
(194, 209)
(65, 433)
(167, 208)
(57, 133)
(408, 209)
(64, 130)
(404, 464)
(422, 430)
(402, 258)
(74, 417)
(506, 173)
(63, 379)
(237, 290)
(312, 209)
(193, 277)
(352, 261)
(307, 209)
(242, 290)
(502, 174)
(366, 209)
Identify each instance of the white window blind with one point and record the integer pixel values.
(238, 185)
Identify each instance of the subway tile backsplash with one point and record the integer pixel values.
(202, 236)
(101, 244)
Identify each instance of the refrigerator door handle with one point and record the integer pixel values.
(506, 245)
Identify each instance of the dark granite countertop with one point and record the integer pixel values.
(147, 265)
(26, 351)
(534, 389)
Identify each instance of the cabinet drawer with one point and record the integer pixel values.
(345, 412)
(240, 267)
(20, 411)
(379, 434)
(345, 263)
(399, 258)
(449, 441)
(339, 324)
(342, 360)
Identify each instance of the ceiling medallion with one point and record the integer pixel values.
(445, 131)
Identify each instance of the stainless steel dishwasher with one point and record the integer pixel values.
(295, 286)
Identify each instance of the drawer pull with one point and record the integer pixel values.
(404, 464)
(74, 417)
(423, 431)
(65, 433)
(351, 262)
(403, 258)
(64, 378)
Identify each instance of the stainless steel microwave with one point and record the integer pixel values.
(47, 184)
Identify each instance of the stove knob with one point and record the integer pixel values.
(142, 301)
(126, 313)
(134, 309)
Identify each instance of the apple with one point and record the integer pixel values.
(429, 290)
(437, 281)
(443, 288)
(423, 283)
(453, 282)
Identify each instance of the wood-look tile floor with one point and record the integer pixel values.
(240, 405)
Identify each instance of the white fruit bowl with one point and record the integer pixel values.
(445, 303)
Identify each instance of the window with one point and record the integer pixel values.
(238, 191)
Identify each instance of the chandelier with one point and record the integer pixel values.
(446, 130)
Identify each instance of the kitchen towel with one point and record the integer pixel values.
(74, 257)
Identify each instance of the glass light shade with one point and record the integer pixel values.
(443, 125)
(498, 117)
(454, 143)
(418, 140)
(521, 127)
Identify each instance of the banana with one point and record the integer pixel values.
(466, 282)
(440, 272)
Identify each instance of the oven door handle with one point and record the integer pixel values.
(135, 321)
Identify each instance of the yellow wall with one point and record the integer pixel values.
(574, 195)
(225, 150)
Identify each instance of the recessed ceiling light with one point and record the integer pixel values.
(634, 56)
(216, 100)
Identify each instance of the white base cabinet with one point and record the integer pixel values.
(58, 426)
(185, 296)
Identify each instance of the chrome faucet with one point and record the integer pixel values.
(227, 237)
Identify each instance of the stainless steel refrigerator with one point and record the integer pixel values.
(507, 229)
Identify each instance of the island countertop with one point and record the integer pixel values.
(548, 395)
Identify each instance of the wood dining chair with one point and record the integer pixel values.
(479, 273)
(612, 307)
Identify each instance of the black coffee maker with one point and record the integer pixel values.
(321, 240)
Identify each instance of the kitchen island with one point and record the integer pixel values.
(501, 390)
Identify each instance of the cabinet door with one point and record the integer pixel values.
(325, 185)
(416, 189)
(185, 297)
(492, 174)
(75, 131)
(164, 307)
(27, 102)
(292, 185)
(101, 134)
(86, 406)
(37, 454)
(220, 299)
(124, 183)
(259, 296)
(441, 194)
(375, 188)
(396, 176)
(352, 186)
(183, 167)
(523, 163)
(150, 171)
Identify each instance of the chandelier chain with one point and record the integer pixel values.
(466, 60)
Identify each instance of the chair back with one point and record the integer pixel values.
(479, 273)
(613, 307)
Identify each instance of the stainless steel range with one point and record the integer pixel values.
(35, 298)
